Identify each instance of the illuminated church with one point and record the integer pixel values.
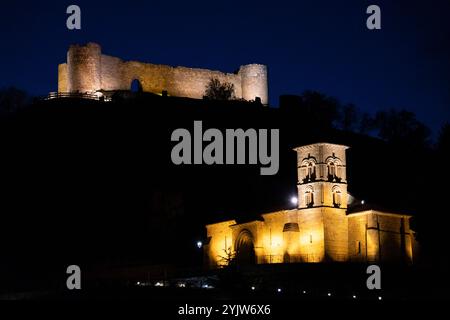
(322, 228)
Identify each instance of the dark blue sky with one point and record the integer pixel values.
(319, 45)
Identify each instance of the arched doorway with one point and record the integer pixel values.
(136, 86)
(245, 250)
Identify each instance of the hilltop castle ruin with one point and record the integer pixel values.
(87, 70)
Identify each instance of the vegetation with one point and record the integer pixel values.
(393, 126)
(228, 259)
(216, 90)
(12, 99)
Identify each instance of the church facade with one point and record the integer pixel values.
(320, 229)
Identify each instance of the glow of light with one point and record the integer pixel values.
(362, 201)
(159, 284)
(253, 288)
(294, 200)
(354, 297)
(329, 294)
(199, 244)
(379, 298)
(138, 283)
(304, 291)
(279, 290)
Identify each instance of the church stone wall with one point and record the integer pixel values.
(335, 234)
(275, 242)
(88, 70)
(387, 237)
(395, 239)
(312, 235)
(357, 237)
(220, 239)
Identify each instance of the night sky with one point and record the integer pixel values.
(318, 45)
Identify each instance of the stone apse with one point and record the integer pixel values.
(87, 70)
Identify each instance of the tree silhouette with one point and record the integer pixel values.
(215, 90)
(12, 99)
(401, 127)
(443, 142)
(366, 123)
(322, 111)
(349, 117)
(228, 259)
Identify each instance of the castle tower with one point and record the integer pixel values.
(84, 68)
(254, 82)
(322, 200)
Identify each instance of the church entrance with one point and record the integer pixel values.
(245, 250)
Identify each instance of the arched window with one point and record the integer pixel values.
(302, 173)
(332, 169)
(308, 170)
(309, 196)
(311, 170)
(337, 196)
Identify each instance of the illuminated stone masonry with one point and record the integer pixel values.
(87, 70)
(320, 229)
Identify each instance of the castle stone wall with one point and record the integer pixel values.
(63, 85)
(111, 73)
(88, 70)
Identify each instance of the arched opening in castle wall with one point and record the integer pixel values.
(136, 86)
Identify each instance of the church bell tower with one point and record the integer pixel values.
(322, 176)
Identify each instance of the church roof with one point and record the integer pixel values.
(362, 206)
